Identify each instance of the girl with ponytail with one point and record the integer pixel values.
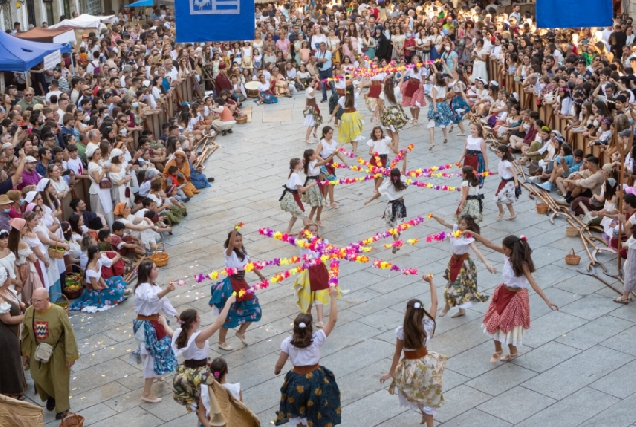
(418, 377)
(191, 381)
(507, 191)
(508, 315)
(328, 148)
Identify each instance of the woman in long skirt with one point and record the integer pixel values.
(507, 191)
(351, 123)
(461, 290)
(25, 260)
(246, 310)
(152, 333)
(310, 395)
(190, 384)
(629, 269)
(12, 381)
(474, 153)
(508, 315)
(312, 284)
(439, 113)
(392, 117)
(417, 378)
(394, 188)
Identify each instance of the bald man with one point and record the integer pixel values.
(48, 323)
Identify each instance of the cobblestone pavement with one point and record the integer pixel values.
(577, 364)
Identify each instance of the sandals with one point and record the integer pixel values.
(444, 311)
(460, 313)
(319, 325)
(431, 147)
(509, 357)
(445, 141)
(621, 300)
(496, 356)
(225, 346)
(242, 338)
(500, 216)
(149, 400)
(510, 218)
(334, 205)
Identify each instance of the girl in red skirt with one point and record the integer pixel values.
(312, 284)
(508, 315)
(382, 145)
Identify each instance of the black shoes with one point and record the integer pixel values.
(50, 404)
(60, 415)
(210, 179)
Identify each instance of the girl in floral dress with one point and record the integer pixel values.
(310, 395)
(508, 315)
(392, 116)
(101, 294)
(439, 112)
(417, 378)
(246, 310)
(472, 198)
(313, 196)
(290, 201)
(506, 192)
(461, 290)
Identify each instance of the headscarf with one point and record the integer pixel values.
(115, 153)
(42, 184)
(17, 223)
(119, 208)
(30, 196)
(30, 207)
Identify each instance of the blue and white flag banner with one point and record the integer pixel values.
(200, 21)
(574, 13)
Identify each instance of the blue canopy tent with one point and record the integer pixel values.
(21, 55)
(142, 3)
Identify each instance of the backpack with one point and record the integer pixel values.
(97, 69)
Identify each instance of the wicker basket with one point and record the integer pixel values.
(77, 279)
(241, 120)
(64, 304)
(572, 258)
(571, 231)
(56, 253)
(160, 257)
(542, 208)
(71, 419)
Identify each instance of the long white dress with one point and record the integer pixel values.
(479, 67)
(118, 192)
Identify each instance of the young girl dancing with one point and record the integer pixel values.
(472, 198)
(507, 191)
(290, 200)
(351, 123)
(313, 196)
(313, 119)
(246, 310)
(412, 90)
(475, 153)
(439, 113)
(461, 290)
(220, 370)
(418, 377)
(394, 189)
(392, 117)
(508, 314)
(327, 148)
(190, 384)
(312, 284)
(310, 395)
(381, 145)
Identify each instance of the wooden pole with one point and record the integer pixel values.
(623, 149)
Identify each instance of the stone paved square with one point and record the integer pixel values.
(577, 367)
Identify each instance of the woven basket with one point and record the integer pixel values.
(56, 253)
(572, 258)
(542, 208)
(64, 304)
(241, 120)
(160, 257)
(571, 231)
(71, 419)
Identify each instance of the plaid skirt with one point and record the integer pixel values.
(313, 399)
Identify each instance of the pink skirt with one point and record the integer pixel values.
(415, 99)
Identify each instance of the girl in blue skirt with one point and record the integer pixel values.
(310, 394)
(439, 113)
(246, 309)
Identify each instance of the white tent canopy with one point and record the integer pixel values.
(86, 21)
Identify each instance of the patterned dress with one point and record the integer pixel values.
(395, 210)
(443, 116)
(461, 290)
(313, 196)
(506, 193)
(392, 116)
(191, 383)
(310, 394)
(351, 123)
(418, 382)
(101, 299)
(290, 201)
(473, 205)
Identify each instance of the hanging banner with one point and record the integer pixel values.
(574, 13)
(200, 21)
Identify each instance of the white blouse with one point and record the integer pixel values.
(387, 189)
(503, 168)
(428, 324)
(309, 252)
(381, 146)
(509, 278)
(307, 356)
(294, 181)
(327, 148)
(312, 169)
(473, 144)
(461, 244)
(148, 303)
(190, 351)
(233, 261)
